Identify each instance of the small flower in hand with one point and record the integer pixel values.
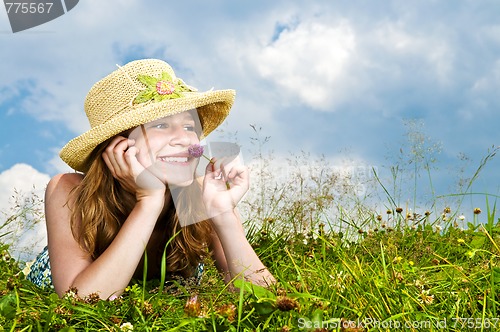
(196, 151)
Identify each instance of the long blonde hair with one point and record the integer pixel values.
(101, 206)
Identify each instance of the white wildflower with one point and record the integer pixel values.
(425, 297)
(126, 327)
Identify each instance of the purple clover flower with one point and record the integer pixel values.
(195, 150)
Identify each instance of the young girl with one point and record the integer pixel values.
(135, 163)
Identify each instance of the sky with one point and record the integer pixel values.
(367, 84)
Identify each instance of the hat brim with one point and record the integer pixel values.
(212, 106)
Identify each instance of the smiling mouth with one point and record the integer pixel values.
(174, 159)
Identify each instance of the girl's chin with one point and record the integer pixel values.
(175, 175)
(179, 183)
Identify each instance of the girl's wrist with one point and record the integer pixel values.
(152, 202)
(226, 222)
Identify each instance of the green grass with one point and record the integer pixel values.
(340, 264)
(388, 279)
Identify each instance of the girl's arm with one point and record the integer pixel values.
(111, 272)
(72, 267)
(233, 254)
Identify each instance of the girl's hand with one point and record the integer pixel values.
(120, 157)
(222, 189)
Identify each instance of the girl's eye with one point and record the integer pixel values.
(160, 126)
(189, 128)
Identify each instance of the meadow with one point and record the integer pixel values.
(340, 263)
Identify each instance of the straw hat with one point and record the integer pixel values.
(137, 93)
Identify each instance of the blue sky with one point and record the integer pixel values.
(339, 78)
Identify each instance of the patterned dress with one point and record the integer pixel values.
(38, 271)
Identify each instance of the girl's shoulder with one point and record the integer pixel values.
(63, 184)
(59, 201)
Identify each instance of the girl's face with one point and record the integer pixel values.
(163, 147)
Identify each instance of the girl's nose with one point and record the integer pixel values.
(180, 136)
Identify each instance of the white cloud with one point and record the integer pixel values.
(488, 84)
(21, 193)
(309, 60)
(328, 62)
(482, 98)
(402, 45)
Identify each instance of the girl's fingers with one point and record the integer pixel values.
(119, 155)
(109, 152)
(114, 156)
(130, 157)
(212, 171)
(217, 171)
(238, 171)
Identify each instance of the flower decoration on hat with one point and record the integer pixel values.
(162, 88)
(165, 87)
